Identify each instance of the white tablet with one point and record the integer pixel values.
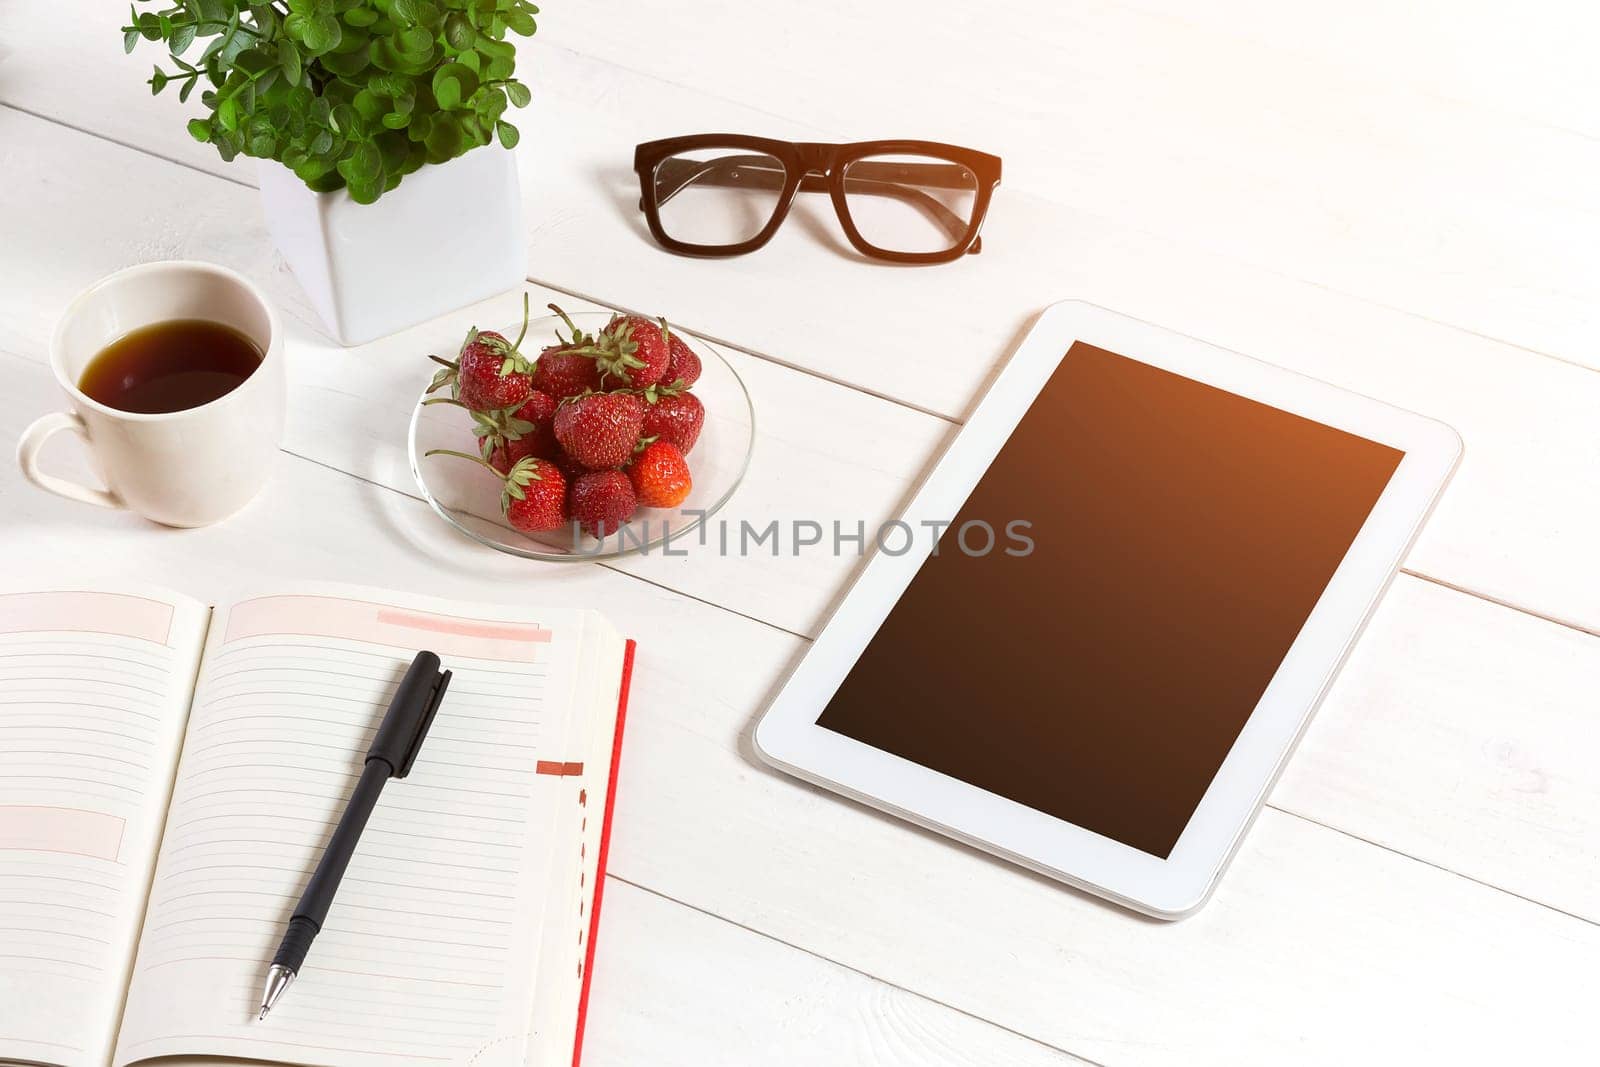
(1155, 555)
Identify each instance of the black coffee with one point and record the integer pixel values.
(170, 366)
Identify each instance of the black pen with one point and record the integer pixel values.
(394, 749)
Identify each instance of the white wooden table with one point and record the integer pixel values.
(1396, 198)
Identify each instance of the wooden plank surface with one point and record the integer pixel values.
(700, 822)
(1341, 191)
(1513, 527)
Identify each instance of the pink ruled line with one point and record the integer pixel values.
(355, 620)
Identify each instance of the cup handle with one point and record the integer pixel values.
(32, 442)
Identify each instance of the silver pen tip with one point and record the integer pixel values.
(279, 978)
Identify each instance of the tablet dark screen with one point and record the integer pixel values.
(1181, 537)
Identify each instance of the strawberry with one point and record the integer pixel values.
(531, 425)
(562, 371)
(504, 453)
(490, 372)
(673, 416)
(660, 476)
(533, 498)
(568, 368)
(683, 366)
(631, 351)
(600, 429)
(601, 501)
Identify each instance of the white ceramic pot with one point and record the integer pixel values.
(448, 235)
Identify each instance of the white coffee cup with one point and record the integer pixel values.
(180, 468)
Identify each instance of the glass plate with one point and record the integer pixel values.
(468, 496)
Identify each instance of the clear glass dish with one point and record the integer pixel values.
(468, 496)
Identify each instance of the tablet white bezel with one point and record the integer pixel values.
(788, 737)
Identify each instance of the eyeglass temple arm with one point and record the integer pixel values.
(758, 172)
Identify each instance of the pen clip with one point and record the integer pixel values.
(439, 686)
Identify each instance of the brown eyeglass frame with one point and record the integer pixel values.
(816, 167)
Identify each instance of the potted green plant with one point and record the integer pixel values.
(386, 174)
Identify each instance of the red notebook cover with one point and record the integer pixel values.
(605, 848)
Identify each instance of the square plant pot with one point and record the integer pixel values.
(448, 235)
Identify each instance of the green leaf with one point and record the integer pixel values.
(158, 81)
(130, 37)
(182, 37)
(365, 192)
(348, 64)
(368, 105)
(360, 16)
(447, 91)
(519, 93)
(228, 114)
(445, 140)
(458, 31)
(188, 87)
(322, 34)
(491, 105)
(414, 42)
(289, 60)
(453, 84)
(200, 130)
(507, 133)
(364, 164)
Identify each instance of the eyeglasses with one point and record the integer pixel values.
(903, 201)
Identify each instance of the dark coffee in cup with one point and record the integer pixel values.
(170, 366)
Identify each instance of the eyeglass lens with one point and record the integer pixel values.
(717, 196)
(910, 203)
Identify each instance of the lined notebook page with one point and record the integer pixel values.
(431, 947)
(93, 692)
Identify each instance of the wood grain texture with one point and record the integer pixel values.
(677, 988)
(1512, 527)
(1425, 156)
(1394, 199)
(1320, 926)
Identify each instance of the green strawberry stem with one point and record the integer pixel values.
(442, 400)
(517, 344)
(463, 455)
(578, 336)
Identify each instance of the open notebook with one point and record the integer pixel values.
(169, 773)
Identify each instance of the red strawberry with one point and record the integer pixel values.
(601, 501)
(600, 429)
(660, 476)
(631, 351)
(533, 498)
(683, 366)
(504, 453)
(674, 417)
(534, 422)
(563, 371)
(490, 372)
(508, 435)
